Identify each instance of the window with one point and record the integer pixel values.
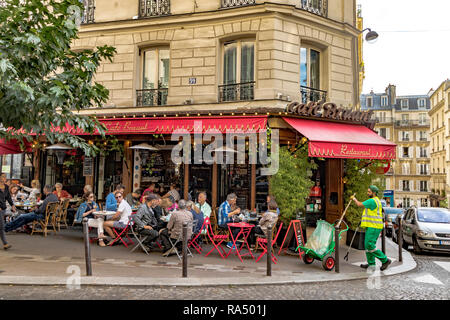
(406, 204)
(423, 152)
(236, 3)
(421, 103)
(405, 135)
(12, 165)
(369, 102)
(422, 118)
(405, 119)
(310, 68)
(424, 169)
(238, 71)
(382, 132)
(88, 11)
(424, 202)
(406, 169)
(423, 186)
(155, 77)
(404, 103)
(405, 185)
(423, 136)
(151, 8)
(384, 101)
(405, 152)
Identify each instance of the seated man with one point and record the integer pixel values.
(175, 228)
(134, 198)
(120, 219)
(111, 203)
(145, 220)
(203, 207)
(268, 218)
(226, 215)
(36, 215)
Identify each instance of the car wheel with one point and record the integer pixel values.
(395, 237)
(417, 249)
(405, 244)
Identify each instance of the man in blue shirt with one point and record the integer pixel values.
(111, 203)
(226, 213)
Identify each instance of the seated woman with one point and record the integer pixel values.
(268, 218)
(34, 191)
(168, 207)
(16, 196)
(87, 209)
(60, 193)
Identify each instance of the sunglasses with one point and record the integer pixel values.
(118, 197)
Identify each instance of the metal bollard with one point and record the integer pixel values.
(184, 252)
(87, 248)
(336, 252)
(400, 241)
(269, 251)
(383, 240)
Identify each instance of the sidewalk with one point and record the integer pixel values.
(35, 260)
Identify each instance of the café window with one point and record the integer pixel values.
(12, 165)
(238, 71)
(154, 77)
(310, 69)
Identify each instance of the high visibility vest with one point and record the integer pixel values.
(373, 218)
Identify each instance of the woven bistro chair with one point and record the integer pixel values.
(49, 220)
(61, 218)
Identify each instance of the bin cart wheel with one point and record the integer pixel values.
(307, 259)
(328, 263)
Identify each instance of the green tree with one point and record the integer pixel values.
(292, 184)
(359, 175)
(43, 83)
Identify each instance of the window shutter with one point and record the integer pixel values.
(400, 136)
(412, 185)
(388, 133)
(400, 185)
(410, 152)
(418, 169)
(417, 152)
(411, 136)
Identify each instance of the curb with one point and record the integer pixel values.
(407, 265)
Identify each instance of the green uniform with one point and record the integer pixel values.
(372, 220)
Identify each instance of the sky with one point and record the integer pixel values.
(413, 48)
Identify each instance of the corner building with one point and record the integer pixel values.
(228, 63)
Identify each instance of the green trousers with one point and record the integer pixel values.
(370, 245)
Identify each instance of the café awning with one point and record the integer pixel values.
(171, 125)
(12, 147)
(345, 141)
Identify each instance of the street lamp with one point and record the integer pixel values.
(371, 36)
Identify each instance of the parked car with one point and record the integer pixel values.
(427, 229)
(390, 215)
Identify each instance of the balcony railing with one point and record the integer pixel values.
(384, 120)
(319, 7)
(410, 123)
(237, 92)
(152, 97)
(154, 8)
(236, 3)
(310, 94)
(88, 15)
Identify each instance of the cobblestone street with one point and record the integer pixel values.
(430, 280)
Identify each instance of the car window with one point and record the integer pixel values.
(434, 216)
(409, 215)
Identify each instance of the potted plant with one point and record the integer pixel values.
(359, 175)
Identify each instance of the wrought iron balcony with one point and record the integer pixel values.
(237, 92)
(410, 123)
(236, 3)
(319, 7)
(152, 97)
(310, 94)
(88, 15)
(154, 8)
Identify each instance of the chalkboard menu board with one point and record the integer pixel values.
(88, 167)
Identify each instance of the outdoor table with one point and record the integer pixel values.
(27, 207)
(104, 213)
(244, 232)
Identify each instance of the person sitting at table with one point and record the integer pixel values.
(34, 191)
(227, 214)
(269, 198)
(145, 220)
(196, 215)
(173, 194)
(175, 228)
(168, 205)
(157, 210)
(203, 206)
(134, 199)
(269, 218)
(60, 193)
(36, 215)
(120, 219)
(16, 196)
(87, 207)
(111, 202)
(150, 189)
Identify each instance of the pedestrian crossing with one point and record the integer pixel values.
(428, 278)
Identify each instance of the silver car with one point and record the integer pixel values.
(427, 229)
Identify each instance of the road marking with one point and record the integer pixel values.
(444, 265)
(428, 278)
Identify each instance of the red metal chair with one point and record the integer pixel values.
(262, 242)
(194, 241)
(215, 237)
(123, 233)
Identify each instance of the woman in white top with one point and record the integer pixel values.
(34, 191)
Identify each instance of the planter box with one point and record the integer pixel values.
(358, 242)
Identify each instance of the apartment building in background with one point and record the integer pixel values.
(440, 142)
(405, 121)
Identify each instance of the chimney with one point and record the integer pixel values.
(391, 91)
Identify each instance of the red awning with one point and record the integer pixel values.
(169, 125)
(346, 141)
(12, 147)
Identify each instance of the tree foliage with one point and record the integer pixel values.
(359, 176)
(43, 83)
(292, 184)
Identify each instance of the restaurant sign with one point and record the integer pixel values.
(329, 110)
(351, 151)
